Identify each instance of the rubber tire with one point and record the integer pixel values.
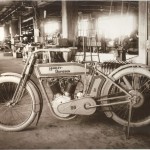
(107, 87)
(31, 90)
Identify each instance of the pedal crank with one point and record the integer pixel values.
(78, 107)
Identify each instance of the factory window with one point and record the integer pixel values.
(51, 27)
(83, 27)
(116, 26)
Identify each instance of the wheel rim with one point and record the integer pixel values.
(12, 114)
(138, 85)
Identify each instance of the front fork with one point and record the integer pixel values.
(23, 80)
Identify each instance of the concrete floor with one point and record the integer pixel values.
(84, 132)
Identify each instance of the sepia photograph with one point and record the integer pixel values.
(74, 74)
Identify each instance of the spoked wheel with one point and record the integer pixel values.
(135, 81)
(15, 116)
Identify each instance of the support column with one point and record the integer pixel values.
(19, 26)
(64, 19)
(148, 48)
(42, 34)
(36, 31)
(6, 29)
(41, 23)
(14, 31)
(142, 58)
(72, 15)
(35, 23)
(14, 28)
(148, 17)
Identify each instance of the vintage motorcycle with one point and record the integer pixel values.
(75, 88)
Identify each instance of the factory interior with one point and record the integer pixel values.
(71, 56)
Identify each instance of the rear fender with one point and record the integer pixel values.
(129, 66)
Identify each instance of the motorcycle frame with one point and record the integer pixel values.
(28, 70)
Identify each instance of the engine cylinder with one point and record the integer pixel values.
(70, 87)
(55, 87)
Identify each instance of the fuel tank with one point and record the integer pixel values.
(60, 69)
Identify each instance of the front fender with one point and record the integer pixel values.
(39, 99)
(11, 74)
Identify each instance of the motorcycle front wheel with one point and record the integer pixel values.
(16, 116)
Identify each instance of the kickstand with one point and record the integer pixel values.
(129, 120)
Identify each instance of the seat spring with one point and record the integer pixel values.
(109, 66)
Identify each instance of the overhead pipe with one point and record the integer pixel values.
(11, 13)
(26, 20)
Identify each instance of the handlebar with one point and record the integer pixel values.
(53, 50)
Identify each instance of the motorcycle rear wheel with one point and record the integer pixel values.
(16, 116)
(135, 81)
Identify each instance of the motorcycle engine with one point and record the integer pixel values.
(63, 91)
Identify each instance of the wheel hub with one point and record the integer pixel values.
(137, 98)
(10, 104)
